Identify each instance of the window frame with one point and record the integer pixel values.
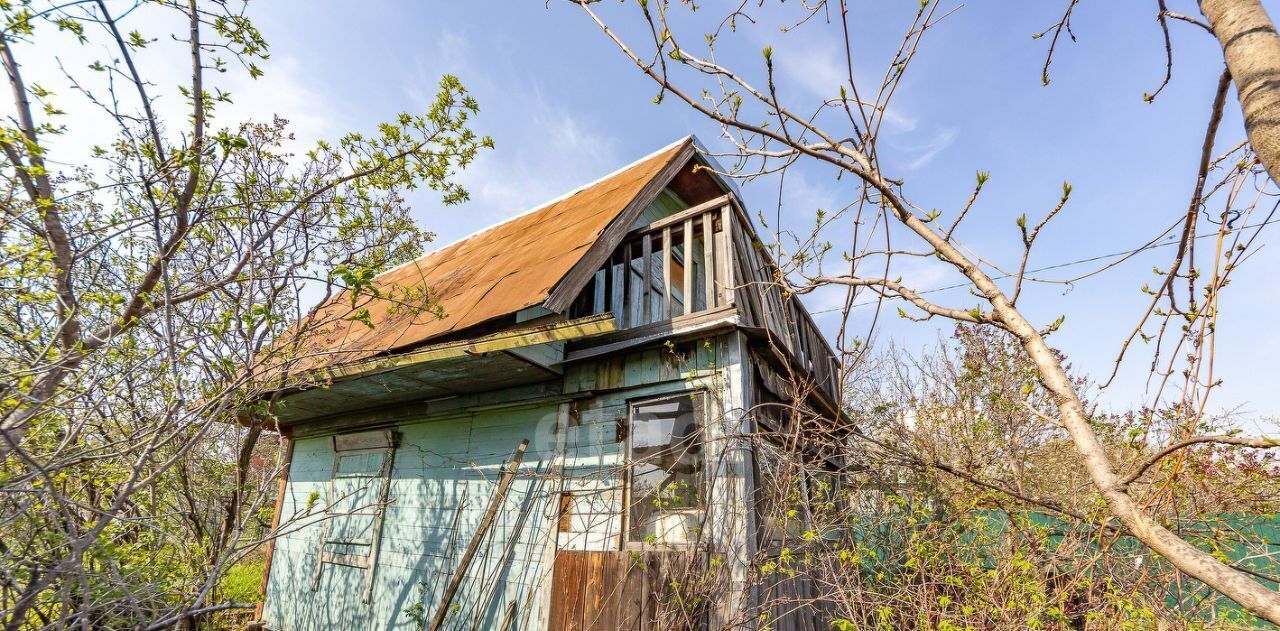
(701, 411)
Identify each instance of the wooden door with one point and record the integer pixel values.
(607, 591)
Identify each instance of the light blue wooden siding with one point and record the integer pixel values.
(441, 463)
(594, 464)
(439, 466)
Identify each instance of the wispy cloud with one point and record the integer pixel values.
(816, 69)
(926, 152)
(544, 147)
(820, 71)
(899, 121)
(283, 90)
(556, 153)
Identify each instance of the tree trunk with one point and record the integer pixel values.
(1251, 48)
(1234, 584)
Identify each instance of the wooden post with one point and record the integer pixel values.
(600, 297)
(504, 484)
(731, 522)
(626, 287)
(646, 293)
(709, 259)
(616, 300)
(726, 262)
(285, 435)
(687, 281)
(666, 274)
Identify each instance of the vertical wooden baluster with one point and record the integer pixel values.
(688, 266)
(615, 290)
(600, 299)
(709, 260)
(626, 286)
(666, 274)
(646, 293)
(726, 220)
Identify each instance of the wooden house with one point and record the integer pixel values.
(574, 428)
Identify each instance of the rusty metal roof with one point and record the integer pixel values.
(493, 273)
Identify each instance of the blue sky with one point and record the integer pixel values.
(565, 107)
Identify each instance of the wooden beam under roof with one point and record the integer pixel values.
(502, 341)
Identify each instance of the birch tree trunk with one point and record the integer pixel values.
(1251, 48)
(1236, 585)
(1252, 51)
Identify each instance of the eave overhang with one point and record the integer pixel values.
(509, 358)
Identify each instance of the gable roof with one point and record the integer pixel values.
(493, 273)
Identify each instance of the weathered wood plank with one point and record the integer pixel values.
(666, 274)
(341, 558)
(376, 439)
(647, 291)
(627, 320)
(692, 211)
(611, 605)
(504, 340)
(556, 617)
(630, 603)
(727, 223)
(687, 281)
(683, 325)
(592, 592)
(708, 261)
(576, 598)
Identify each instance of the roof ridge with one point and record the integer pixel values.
(543, 205)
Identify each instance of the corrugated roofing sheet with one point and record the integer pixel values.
(496, 272)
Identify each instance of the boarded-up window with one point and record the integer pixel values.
(665, 453)
(357, 484)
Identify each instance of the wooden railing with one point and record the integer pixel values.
(706, 259)
(676, 266)
(765, 307)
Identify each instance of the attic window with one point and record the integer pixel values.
(665, 457)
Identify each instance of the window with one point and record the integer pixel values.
(664, 451)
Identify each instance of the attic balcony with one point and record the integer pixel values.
(678, 269)
(696, 270)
